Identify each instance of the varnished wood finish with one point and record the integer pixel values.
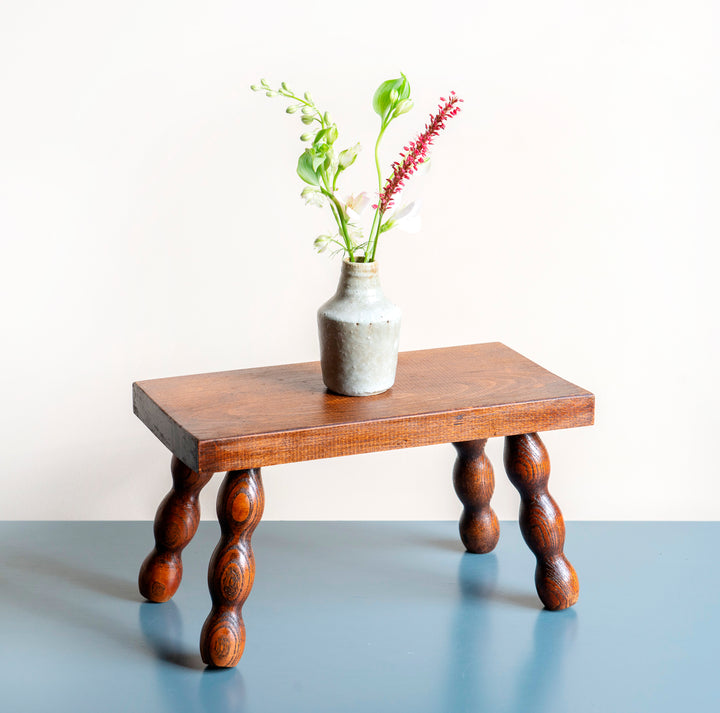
(239, 421)
(176, 523)
(265, 416)
(541, 522)
(474, 483)
(231, 574)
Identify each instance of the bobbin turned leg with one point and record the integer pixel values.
(231, 573)
(474, 483)
(176, 523)
(541, 522)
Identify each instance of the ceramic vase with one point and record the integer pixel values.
(359, 331)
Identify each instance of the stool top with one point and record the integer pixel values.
(250, 418)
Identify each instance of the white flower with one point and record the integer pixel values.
(355, 234)
(407, 218)
(355, 205)
(312, 196)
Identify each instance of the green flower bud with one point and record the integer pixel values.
(348, 156)
(269, 94)
(255, 87)
(292, 109)
(327, 118)
(308, 111)
(306, 120)
(308, 98)
(284, 86)
(332, 134)
(321, 243)
(306, 137)
(403, 107)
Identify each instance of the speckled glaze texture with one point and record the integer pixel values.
(359, 332)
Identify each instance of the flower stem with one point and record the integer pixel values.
(379, 216)
(340, 219)
(374, 228)
(377, 160)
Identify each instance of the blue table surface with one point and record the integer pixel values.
(364, 616)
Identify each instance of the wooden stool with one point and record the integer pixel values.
(240, 421)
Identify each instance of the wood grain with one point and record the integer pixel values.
(176, 523)
(474, 482)
(541, 522)
(231, 573)
(257, 417)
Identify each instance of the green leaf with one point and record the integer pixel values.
(404, 88)
(306, 168)
(381, 99)
(318, 158)
(389, 94)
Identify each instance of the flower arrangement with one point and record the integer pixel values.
(320, 165)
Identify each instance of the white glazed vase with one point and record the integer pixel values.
(359, 331)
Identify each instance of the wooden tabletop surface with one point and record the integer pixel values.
(281, 414)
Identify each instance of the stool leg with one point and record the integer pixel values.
(541, 522)
(176, 523)
(474, 483)
(231, 573)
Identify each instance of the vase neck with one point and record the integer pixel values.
(358, 277)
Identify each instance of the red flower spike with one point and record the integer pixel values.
(417, 151)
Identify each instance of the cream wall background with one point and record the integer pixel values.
(151, 226)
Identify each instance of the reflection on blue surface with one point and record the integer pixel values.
(349, 617)
(471, 669)
(216, 690)
(471, 633)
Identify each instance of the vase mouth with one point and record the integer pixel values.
(360, 267)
